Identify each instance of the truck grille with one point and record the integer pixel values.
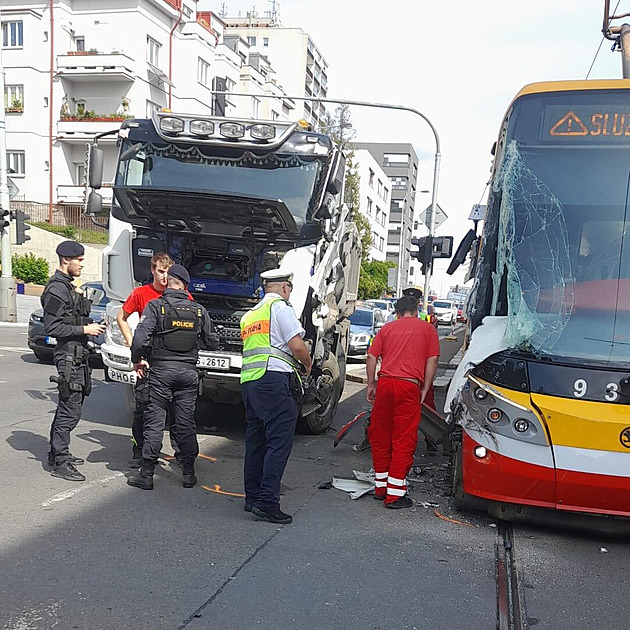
(227, 325)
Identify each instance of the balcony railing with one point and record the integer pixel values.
(69, 193)
(86, 65)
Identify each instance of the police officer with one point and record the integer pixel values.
(66, 317)
(272, 346)
(166, 345)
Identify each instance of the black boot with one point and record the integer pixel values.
(142, 478)
(68, 472)
(188, 478)
(272, 515)
(75, 461)
(136, 458)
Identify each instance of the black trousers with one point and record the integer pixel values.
(271, 412)
(68, 411)
(174, 386)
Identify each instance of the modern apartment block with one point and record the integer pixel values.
(299, 65)
(400, 163)
(374, 196)
(87, 66)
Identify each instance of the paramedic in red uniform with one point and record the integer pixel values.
(409, 349)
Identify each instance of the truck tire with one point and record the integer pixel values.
(319, 421)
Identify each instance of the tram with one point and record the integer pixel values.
(542, 396)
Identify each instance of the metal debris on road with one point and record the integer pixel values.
(603, 550)
(362, 484)
(448, 519)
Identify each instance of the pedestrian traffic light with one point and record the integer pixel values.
(5, 219)
(21, 227)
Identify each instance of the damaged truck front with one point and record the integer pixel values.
(541, 399)
(230, 199)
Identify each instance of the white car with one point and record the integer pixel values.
(384, 306)
(446, 311)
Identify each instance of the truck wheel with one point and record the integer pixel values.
(319, 420)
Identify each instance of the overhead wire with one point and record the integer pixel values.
(600, 43)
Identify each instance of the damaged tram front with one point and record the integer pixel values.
(543, 392)
(229, 199)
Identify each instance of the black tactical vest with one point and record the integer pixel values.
(179, 330)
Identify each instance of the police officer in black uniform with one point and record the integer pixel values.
(66, 317)
(166, 344)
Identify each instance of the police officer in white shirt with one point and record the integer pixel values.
(274, 355)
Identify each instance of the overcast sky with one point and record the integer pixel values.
(459, 62)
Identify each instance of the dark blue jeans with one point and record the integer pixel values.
(271, 412)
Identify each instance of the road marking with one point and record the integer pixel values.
(14, 349)
(68, 494)
(7, 324)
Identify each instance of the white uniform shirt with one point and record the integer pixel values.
(284, 326)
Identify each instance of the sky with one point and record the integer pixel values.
(460, 63)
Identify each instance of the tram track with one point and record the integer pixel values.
(510, 613)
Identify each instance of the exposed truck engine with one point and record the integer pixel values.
(230, 199)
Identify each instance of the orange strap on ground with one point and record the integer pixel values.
(217, 489)
(451, 520)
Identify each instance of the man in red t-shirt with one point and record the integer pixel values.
(409, 349)
(135, 303)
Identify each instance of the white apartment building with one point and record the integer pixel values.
(300, 67)
(110, 60)
(374, 199)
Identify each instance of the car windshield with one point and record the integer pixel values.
(95, 294)
(290, 178)
(362, 317)
(563, 254)
(378, 304)
(442, 305)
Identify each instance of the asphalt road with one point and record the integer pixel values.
(102, 555)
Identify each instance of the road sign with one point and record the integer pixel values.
(440, 216)
(13, 189)
(478, 213)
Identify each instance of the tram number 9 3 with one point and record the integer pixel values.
(580, 388)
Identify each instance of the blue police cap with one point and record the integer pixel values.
(181, 273)
(70, 249)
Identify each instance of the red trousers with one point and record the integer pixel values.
(393, 435)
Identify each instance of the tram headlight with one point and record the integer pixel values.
(480, 393)
(521, 425)
(494, 414)
(480, 451)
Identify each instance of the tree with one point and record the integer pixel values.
(373, 279)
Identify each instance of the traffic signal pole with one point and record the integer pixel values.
(8, 305)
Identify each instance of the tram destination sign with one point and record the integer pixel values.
(586, 124)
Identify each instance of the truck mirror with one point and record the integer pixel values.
(94, 204)
(326, 209)
(95, 175)
(338, 173)
(462, 252)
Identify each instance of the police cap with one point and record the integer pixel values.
(276, 275)
(180, 272)
(413, 292)
(70, 249)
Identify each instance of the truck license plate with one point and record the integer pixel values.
(51, 341)
(122, 377)
(214, 363)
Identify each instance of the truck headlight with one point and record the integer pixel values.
(172, 125)
(262, 132)
(232, 130)
(201, 127)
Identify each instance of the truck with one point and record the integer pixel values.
(230, 199)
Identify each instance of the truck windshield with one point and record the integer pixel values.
(290, 178)
(563, 254)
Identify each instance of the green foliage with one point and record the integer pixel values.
(75, 233)
(28, 268)
(92, 237)
(373, 279)
(67, 231)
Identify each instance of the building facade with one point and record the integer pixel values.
(77, 73)
(374, 199)
(300, 67)
(400, 163)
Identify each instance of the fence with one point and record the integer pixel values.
(62, 215)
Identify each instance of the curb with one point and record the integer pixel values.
(356, 378)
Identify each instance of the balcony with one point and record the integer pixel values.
(78, 130)
(68, 193)
(81, 67)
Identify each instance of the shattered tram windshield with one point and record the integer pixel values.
(290, 178)
(563, 250)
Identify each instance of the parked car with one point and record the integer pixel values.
(43, 345)
(446, 311)
(461, 315)
(364, 324)
(385, 306)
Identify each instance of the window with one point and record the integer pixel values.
(274, 115)
(14, 96)
(411, 271)
(371, 178)
(399, 183)
(153, 52)
(385, 194)
(151, 108)
(251, 41)
(79, 43)
(255, 106)
(395, 159)
(203, 72)
(378, 215)
(16, 162)
(374, 239)
(379, 188)
(415, 225)
(187, 11)
(79, 174)
(369, 207)
(265, 42)
(12, 34)
(381, 243)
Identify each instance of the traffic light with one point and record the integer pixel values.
(430, 247)
(21, 227)
(5, 219)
